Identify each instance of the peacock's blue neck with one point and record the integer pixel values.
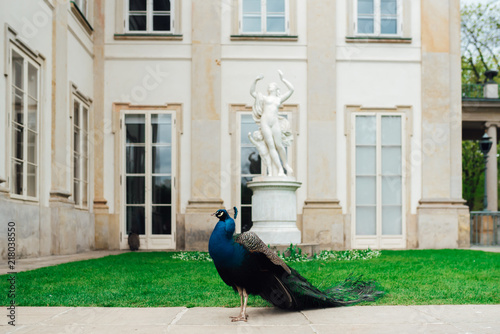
(221, 246)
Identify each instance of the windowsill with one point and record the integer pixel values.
(148, 37)
(378, 39)
(81, 18)
(24, 199)
(287, 38)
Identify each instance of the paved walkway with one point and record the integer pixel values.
(480, 319)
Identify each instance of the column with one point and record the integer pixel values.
(205, 123)
(492, 168)
(443, 219)
(323, 221)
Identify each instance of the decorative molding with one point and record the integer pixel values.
(202, 205)
(265, 38)
(322, 204)
(3, 189)
(11, 35)
(60, 195)
(81, 18)
(373, 39)
(79, 94)
(442, 203)
(147, 37)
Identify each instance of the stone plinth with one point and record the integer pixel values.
(274, 209)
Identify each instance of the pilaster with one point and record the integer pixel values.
(107, 227)
(442, 216)
(61, 144)
(323, 221)
(205, 122)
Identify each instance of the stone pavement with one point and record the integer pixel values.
(481, 319)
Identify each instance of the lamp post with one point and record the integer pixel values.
(485, 146)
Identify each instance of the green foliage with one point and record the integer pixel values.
(193, 256)
(480, 33)
(347, 255)
(157, 279)
(294, 254)
(472, 174)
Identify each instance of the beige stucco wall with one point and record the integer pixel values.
(50, 224)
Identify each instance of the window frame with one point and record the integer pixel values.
(82, 104)
(380, 240)
(27, 59)
(83, 9)
(149, 240)
(377, 20)
(263, 16)
(149, 19)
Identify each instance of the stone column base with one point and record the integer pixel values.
(443, 223)
(107, 226)
(274, 210)
(199, 222)
(324, 223)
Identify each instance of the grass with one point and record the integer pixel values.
(156, 279)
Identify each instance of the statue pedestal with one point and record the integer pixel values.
(274, 209)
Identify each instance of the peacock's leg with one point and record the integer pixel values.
(244, 310)
(243, 303)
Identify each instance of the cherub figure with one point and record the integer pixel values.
(258, 140)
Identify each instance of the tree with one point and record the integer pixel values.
(480, 40)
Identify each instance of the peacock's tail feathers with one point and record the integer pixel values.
(351, 291)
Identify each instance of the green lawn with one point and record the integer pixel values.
(156, 279)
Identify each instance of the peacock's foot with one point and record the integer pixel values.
(241, 317)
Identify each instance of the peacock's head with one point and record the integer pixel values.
(221, 214)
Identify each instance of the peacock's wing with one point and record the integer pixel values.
(254, 244)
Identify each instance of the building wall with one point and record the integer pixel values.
(203, 73)
(50, 224)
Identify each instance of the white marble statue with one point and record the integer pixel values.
(274, 133)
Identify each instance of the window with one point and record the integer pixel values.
(251, 166)
(149, 16)
(25, 90)
(80, 153)
(264, 17)
(82, 6)
(378, 176)
(378, 17)
(149, 177)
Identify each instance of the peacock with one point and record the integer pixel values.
(247, 265)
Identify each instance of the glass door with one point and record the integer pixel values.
(149, 179)
(378, 189)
